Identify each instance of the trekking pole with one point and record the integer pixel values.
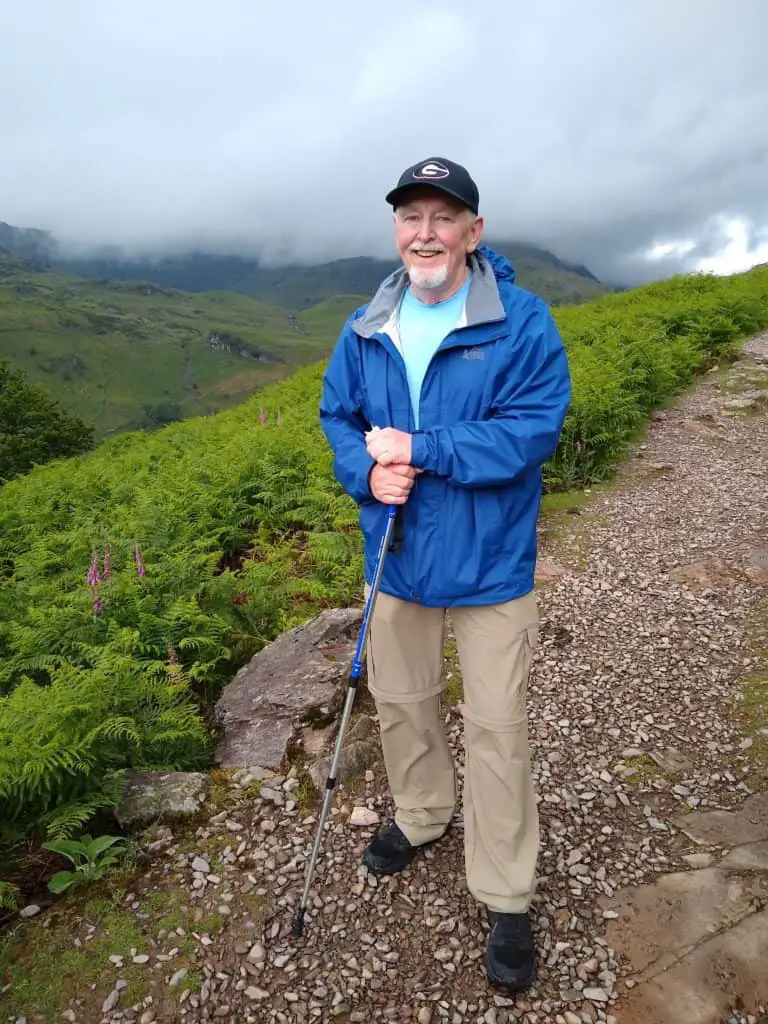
(354, 677)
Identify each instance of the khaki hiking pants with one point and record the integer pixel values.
(405, 662)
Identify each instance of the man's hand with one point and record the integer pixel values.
(392, 484)
(389, 446)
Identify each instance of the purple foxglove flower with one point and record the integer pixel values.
(98, 607)
(139, 563)
(107, 565)
(262, 418)
(93, 571)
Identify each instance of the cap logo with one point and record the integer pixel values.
(431, 171)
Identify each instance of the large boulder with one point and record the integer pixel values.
(298, 679)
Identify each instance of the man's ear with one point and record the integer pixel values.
(476, 233)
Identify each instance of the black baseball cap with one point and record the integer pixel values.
(438, 173)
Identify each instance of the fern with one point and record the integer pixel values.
(9, 896)
(64, 821)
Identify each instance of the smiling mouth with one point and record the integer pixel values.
(426, 254)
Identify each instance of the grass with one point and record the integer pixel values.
(454, 685)
(571, 502)
(104, 925)
(754, 720)
(305, 794)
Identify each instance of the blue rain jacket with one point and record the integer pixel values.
(493, 401)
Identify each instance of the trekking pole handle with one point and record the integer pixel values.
(384, 546)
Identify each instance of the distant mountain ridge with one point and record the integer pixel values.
(294, 286)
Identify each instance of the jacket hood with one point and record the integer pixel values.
(502, 268)
(484, 303)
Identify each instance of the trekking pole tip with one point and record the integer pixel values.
(298, 924)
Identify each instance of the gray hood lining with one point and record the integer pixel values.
(483, 306)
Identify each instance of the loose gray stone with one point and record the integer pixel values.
(597, 995)
(111, 1001)
(255, 993)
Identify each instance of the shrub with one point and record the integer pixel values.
(34, 428)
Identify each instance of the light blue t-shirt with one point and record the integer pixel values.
(422, 328)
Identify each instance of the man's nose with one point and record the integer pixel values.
(426, 230)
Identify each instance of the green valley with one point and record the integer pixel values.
(127, 355)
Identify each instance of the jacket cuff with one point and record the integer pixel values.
(367, 496)
(421, 452)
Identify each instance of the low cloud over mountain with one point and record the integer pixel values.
(628, 137)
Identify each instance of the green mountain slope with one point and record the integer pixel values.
(295, 286)
(124, 355)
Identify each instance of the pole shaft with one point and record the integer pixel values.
(354, 678)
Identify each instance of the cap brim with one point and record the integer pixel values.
(398, 194)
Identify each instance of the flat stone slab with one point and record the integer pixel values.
(300, 677)
(152, 796)
(750, 857)
(671, 760)
(659, 924)
(726, 970)
(746, 824)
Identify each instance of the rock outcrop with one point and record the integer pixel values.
(299, 679)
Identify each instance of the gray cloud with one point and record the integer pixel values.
(596, 128)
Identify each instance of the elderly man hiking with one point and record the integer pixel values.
(444, 395)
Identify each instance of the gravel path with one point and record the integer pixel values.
(634, 718)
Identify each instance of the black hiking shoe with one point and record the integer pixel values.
(510, 957)
(390, 851)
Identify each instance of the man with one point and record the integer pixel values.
(444, 396)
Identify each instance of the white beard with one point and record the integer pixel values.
(429, 279)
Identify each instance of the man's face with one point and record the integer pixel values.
(434, 234)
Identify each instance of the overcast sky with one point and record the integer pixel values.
(602, 129)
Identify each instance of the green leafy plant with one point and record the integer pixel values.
(91, 858)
